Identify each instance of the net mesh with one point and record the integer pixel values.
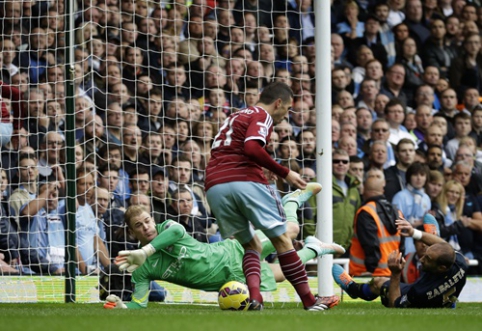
(153, 82)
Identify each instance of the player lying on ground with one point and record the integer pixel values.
(168, 253)
(443, 275)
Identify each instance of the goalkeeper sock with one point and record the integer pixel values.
(295, 273)
(252, 272)
(291, 209)
(306, 254)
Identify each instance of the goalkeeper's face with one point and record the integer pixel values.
(143, 228)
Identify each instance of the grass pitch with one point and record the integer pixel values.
(347, 316)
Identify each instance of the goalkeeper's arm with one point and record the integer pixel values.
(131, 260)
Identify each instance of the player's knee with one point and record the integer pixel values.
(253, 244)
(292, 230)
(282, 243)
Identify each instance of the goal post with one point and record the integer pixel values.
(70, 240)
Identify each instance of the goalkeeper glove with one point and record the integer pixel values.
(113, 302)
(131, 260)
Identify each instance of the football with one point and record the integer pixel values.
(233, 296)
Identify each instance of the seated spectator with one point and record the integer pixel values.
(434, 187)
(395, 115)
(10, 152)
(192, 151)
(288, 150)
(393, 85)
(423, 118)
(27, 188)
(462, 126)
(151, 152)
(307, 148)
(92, 251)
(94, 138)
(364, 120)
(139, 180)
(9, 241)
(413, 66)
(350, 27)
(152, 121)
(465, 71)
(470, 100)
(42, 232)
(83, 109)
(412, 201)
(396, 175)
(465, 153)
(111, 154)
(131, 142)
(449, 208)
(108, 179)
(435, 52)
(469, 239)
(348, 144)
(180, 211)
(368, 93)
(180, 174)
(159, 194)
(379, 131)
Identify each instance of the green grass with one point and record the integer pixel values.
(358, 316)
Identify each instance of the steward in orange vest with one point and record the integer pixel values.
(375, 237)
(410, 272)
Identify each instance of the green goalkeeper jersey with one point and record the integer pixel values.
(182, 260)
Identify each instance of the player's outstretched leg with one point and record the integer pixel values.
(366, 292)
(343, 279)
(301, 196)
(322, 248)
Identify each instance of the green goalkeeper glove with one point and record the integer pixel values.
(113, 302)
(131, 260)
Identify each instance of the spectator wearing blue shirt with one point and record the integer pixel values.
(91, 248)
(42, 235)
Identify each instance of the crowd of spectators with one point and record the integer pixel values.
(154, 81)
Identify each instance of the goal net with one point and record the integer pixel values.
(153, 82)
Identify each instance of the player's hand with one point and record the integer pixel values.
(294, 179)
(406, 229)
(396, 262)
(113, 302)
(131, 260)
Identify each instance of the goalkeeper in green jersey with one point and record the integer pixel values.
(168, 253)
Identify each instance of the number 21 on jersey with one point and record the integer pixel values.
(224, 135)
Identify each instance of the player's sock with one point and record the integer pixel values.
(362, 291)
(306, 254)
(295, 273)
(291, 208)
(252, 272)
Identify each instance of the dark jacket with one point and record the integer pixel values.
(394, 182)
(437, 56)
(462, 77)
(9, 240)
(192, 224)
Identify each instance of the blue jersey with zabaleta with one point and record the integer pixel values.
(435, 290)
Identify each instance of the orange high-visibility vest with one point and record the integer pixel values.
(410, 272)
(388, 243)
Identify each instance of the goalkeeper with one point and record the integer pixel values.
(168, 253)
